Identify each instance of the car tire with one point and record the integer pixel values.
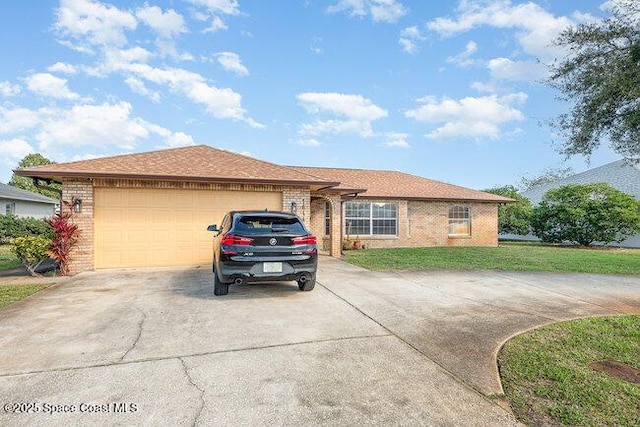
(219, 288)
(307, 285)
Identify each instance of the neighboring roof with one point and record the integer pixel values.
(193, 163)
(384, 184)
(11, 192)
(620, 175)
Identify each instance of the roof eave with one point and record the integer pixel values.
(85, 175)
(437, 199)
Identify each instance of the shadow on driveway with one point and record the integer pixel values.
(196, 283)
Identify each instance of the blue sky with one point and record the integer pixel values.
(445, 90)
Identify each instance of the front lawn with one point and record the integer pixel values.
(548, 380)
(7, 259)
(507, 256)
(13, 293)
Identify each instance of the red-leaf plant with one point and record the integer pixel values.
(65, 236)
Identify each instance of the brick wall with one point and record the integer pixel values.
(302, 198)
(424, 223)
(82, 255)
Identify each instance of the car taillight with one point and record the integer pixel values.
(304, 240)
(230, 239)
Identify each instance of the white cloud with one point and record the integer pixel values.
(217, 24)
(536, 27)
(61, 67)
(17, 120)
(409, 39)
(50, 86)
(221, 103)
(226, 7)
(396, 140)
(213, 9)
(358, 113)
(463, 59)
(91, 125)
(309, 142)
(231, 62)
(15, 149)
(180, 139)
(355, 107)
(98, 23)
(506, 69)
(115, 59)
(8, 89)
(380, 10)
(138, 86)
(167, 24)
(475, 117)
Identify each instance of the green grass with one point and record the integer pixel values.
(547, 379)
(507, 256)
(13, 293)
(7, 259)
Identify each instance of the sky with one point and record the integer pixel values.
(448, 90)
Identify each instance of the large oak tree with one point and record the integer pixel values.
(600, 77)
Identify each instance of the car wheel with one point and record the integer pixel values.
(307, 285)
(219, 288)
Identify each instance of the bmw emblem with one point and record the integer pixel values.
(273, 241)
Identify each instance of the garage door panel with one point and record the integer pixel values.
(157, 227)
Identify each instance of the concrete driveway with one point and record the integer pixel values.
(156, 347)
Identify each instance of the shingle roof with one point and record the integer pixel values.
(619, 174)
(11, 192)
(205, 163)
(385, 184)
(193, 163)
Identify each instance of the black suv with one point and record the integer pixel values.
(253, 246)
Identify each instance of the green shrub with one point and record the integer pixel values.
(31, 251)
(585, 214)
(11, 227)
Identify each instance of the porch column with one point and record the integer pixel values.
(336, 226)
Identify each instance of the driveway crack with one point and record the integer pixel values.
(193, 383)
(140, 327)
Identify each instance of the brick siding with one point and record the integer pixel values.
(425, 223)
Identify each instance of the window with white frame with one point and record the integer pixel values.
(371, 219)
(459, 221)
(10, 208)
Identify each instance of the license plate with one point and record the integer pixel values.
(272, 267)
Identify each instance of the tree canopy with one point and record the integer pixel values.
(27, 183)
(513, 218)
(547, 176)
(585, 214)
(600, 76)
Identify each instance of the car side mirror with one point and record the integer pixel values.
(212, 228)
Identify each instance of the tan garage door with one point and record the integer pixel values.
(158, 227)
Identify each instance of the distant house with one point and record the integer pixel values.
(620, 175)
(23, 203)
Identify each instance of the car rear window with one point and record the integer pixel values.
(261, 224)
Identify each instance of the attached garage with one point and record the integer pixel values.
(152, 209)
(142, 227)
